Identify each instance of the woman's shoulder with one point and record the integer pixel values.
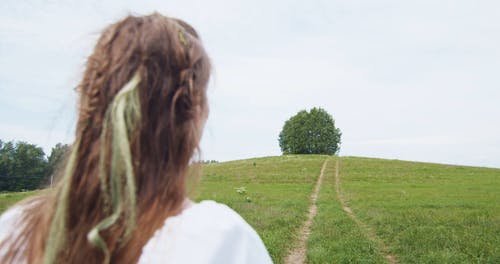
(9, 220)
(206, 232)
(12, 221)
(209, 218)
(10, 227)
(11, 213)
(210, 214)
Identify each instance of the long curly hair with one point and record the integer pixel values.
(141, 99)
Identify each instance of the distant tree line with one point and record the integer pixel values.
(25, 166)
(209, 161)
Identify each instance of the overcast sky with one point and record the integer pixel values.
(410, 80)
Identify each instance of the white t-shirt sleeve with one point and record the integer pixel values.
(9, 220)
(10, 223)
(207, 232)
(241, 244)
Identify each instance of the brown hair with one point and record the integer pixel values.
(171, 69)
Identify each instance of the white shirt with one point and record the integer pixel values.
(205, 232)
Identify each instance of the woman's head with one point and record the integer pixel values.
(142, 106)
(172, 70)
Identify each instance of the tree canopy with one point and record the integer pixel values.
(25, 166)
(312, 132)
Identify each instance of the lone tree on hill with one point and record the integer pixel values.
(312, 132)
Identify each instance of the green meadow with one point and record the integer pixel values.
(278, 187)
(427, 213)
(397, 211)
(8, 199)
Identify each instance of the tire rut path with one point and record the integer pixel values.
(298, 254)
(370, 234)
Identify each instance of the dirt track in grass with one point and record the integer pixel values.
(298, 254)
(367, 230)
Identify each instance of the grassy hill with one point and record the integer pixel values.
(369, 210)
(417, 212)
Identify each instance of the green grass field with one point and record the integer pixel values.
(8, 199)
(427, 213)
(415, 212)
(335, 238)
(279, 189)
